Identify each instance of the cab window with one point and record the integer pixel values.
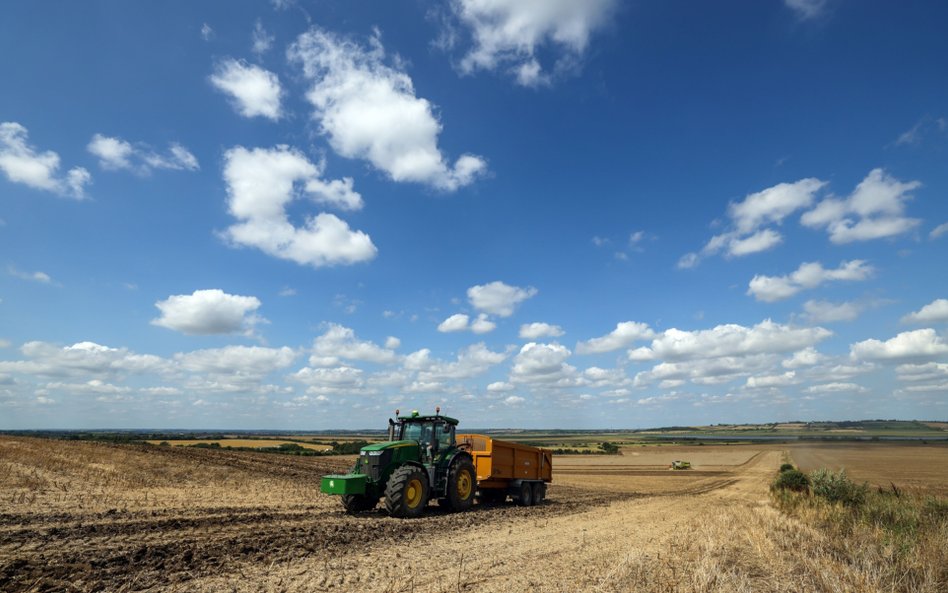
(444, 433)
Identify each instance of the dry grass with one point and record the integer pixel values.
(912, 466)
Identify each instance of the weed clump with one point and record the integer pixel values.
(786, 467)
(791, 479)
(837, 487)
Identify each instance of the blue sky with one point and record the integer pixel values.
(304, 215)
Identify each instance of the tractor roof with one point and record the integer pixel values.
(417, 418)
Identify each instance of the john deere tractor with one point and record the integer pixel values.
(419, 462)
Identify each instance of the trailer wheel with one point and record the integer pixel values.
(357, 503)
(526, 495)
(406, 493)
(539, 492)
(462, 482)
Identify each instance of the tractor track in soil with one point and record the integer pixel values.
(99, 553)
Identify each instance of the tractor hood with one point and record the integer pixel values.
(388, 445)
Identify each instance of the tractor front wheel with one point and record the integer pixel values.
(462, 482)
(356, 503)
(406, 493)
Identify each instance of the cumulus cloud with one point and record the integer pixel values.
(115, 153)
(929, 371)
(808, 275)
(368, 110)
(208, 312)
(340, 343)
(497, 298)
(253, 90)
(748, 231)
(246, 361)
(262, 182)
(541, 363)
(934, 312)
(913, 345)
(82, 358)
(622, 336)
(874, 210)
(806, 357)
(767, 381)
(535, 331)
(511, 34)
(766, 337)
(827, 312)
(938, 231)
(21, 163)
(462, 322)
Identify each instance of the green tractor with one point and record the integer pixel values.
(420, 461)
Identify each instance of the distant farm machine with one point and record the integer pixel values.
(424, 459)
(678, 464)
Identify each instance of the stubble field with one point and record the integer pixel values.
(80, 516)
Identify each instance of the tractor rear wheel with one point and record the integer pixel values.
(406, 493)
(462, 482)
(525, 498)
(356, 503)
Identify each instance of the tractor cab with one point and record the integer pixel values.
(434, 434)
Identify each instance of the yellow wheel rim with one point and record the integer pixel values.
(465, 484)
(413, 493)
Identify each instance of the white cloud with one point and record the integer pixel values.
(455, 323)
(339, 342)
(806, 9)
(500, 386)
(622, 336)
(535, 331)
(261, 40)
(929, 371)
(808, 275)
(760, 241)
(938, 231)
(82, 358)
(392, 343)
(541, 363)
(497, 298)
(472, 361)
(827, 312)
(806, 357)
(837, 388)
(934, 312)
(41, 277)
(369, 110)
(733, 340)
(207, 33)
(918, 344)
(261, 184)
(207, 312)
(746, 234)
(766, 381)
(874, 210)
(513, 400)
(40, 170)
(242, 361)
(482, 324)
(253, 90)
(512, 34)
(115, 153)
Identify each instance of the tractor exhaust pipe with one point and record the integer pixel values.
(391, 430)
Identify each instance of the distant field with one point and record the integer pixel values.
(907, 465)
(251, 443)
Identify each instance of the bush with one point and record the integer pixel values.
(836, 487)
(793, 480)
(786, 467)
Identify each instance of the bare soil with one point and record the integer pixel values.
(95, 517)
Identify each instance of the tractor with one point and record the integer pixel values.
(420, 461)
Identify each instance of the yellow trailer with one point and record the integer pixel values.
(508, 469)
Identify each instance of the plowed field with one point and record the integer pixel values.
(94, 517)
